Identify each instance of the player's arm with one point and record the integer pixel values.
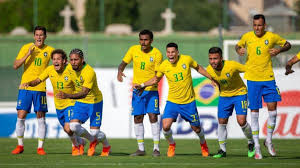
(203, 72)
(289, 65)
(120, 71)
(285, 47)
(80, 95)
(153, 81)
(31, 83)
(19, 62)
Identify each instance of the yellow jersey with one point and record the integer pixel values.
(60, 82)
(87, 78)
(298, 55)
(259, 63)
(179, 78)
(144, 64)
(231, 84)
(35, 64)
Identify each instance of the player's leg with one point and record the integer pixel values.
(95, 124)
(271, 96)
(241, 106)
(23, 107)
(255, 90)
(138, 111)
(40, 107)
(152, 108)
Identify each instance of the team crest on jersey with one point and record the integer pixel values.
(151, 59)
(228, 75)
(45, 54)
(66, 78)
(183, 66)
(266, 42)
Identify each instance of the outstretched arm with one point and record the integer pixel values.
(80, 95)
(203, 72)
(31, 83)
(120, 71)
(152, 81)
(18, 63)
(290, 64)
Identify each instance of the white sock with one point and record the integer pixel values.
(156, 135)
(41, 131)
(73, 139)
(168, 136)
(80, 131)
(255, 128)
(201, 136)
(20, 129)
(139, 133)
(271, 125)
(247, 132)
(222, 136)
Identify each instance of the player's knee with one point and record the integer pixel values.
(153, 118)
(74, 126)
(68, 130)
(138, 118)
(196, 129)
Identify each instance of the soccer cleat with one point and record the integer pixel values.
(105, 151)
(156, 153)
(220, 154)
(204, 148)
(251, 151)
(92, 148)
(18, 150)
(81, 147)
(258, 154)
(171, 150)
(270, 148)
(41, 151)
(76, 151)
(139, 153)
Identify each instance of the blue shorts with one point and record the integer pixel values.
(226, 105)
(188, 112)
(27, 97)
(64, 115)
(266, 89)
(84, 111)
(145, 103)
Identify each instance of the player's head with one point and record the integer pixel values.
(59, 59)
(40, 35)
(76, 59)
(146, 39)
(172, 52)
(259, 25)
(215, 58)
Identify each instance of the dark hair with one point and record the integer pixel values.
(40, 28)
(259, 16)
(59, 51)
(215, 50)
(77, 51)
(146, 32)
(172, 45)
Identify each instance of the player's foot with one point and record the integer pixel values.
(171, 150)
(139, 153)
(92, 148)
(156, 153)
(81, 147)
(76, 151)
(105, 151)
(258, 154)
(220, 154)
(41, 151)
(204, 148)
(270, 148)
(251, 151)
(18, 150)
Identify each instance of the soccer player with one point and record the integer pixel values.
(35, 57)
(233, 94)
(181, 97)
(290, 63)
(88, 105)
(146, 60)
(259, 45)
(60, 77)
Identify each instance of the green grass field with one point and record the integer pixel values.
(188, 155)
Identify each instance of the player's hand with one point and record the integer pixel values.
(136, 86)
(274, 51)
(288, 70)
(120, 76)
(24, 86)
(61, 95)
(241, 51)
(215, 83)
